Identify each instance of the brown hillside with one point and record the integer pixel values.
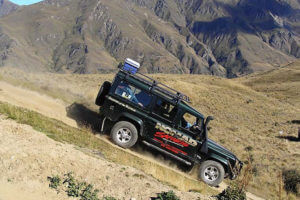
(244, 118)
(283, 83)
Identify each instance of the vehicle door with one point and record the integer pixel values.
(191, 127)
(160, 127)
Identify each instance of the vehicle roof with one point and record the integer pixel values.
(147, 85)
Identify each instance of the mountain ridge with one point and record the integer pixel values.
(225, 38)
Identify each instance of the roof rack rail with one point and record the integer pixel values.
(159, 86)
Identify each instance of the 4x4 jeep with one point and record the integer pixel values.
(137, 107)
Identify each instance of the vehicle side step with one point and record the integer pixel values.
(165, 152)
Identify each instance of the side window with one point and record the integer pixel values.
(133, 94)
(165, 109)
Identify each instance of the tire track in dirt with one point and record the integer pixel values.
(56, 109)
(31, 100)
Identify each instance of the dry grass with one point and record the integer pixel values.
(283, 83)
(249, 112)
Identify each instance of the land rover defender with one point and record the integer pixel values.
(138, 108)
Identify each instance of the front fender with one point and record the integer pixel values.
(219, 159)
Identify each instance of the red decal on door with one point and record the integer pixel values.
(169, 147)
(170, 138)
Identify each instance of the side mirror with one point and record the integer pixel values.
(209, 118)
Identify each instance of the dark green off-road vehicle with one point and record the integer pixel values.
(137, 108)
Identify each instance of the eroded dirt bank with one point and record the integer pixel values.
(27, 157)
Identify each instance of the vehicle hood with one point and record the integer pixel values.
(215, 147)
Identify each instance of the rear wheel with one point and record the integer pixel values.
(211, 172)
(124, 134)
(102, 93)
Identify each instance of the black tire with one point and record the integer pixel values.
(102, 93)
(211, 172)
(128, 137)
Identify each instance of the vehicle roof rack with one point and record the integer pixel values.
(159, 86)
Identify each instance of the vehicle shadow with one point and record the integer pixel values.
(289, 138)
(84, 116)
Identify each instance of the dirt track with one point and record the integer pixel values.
(54, 109)
(45, 105)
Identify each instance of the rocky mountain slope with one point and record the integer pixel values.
(7, 7)
(225, 38)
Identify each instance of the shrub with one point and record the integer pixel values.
(75, 188)
(54, 181)
(232, 192)
(170, 195)
(255, 171)
(88, 193)
(249, 148)
(109, 198)
(237, 190)
(291, 179)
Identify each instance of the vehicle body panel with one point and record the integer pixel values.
(163, 133)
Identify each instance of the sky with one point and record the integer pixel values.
(25, 2)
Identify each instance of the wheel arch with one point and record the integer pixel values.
(139, 124)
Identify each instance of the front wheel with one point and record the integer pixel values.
(211, 172)
(124, 134)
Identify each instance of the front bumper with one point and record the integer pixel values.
(236, 169)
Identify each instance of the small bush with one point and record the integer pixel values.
(237, 190)
(55, 181)
(75, 188)
(249, 148)
(291, 179)
(88, 193)
(255, 171)
(232, 192)
(170, 195)
(109, 198)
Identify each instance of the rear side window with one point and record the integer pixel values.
(135, 95)
(165, 109)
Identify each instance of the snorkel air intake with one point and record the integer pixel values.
(204, 147)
